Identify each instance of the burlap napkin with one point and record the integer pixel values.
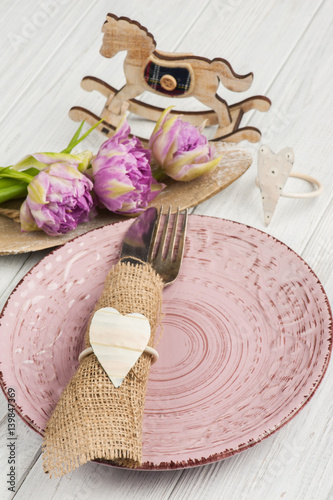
(93, 419)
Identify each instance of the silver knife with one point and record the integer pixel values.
(138, 237)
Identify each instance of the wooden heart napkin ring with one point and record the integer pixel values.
(148, 350)
(118, 341)
(274, 169)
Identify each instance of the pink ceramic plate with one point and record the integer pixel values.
(247, 337)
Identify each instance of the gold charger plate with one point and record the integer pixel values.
(233, 164)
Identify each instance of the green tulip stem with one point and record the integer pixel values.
(5, 183)
(10, 173)
(18, 190)
(12, 187)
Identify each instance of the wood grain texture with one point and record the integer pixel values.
(288, 46)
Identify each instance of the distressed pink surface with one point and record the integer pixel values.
(246, 341)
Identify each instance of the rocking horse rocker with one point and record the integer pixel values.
(172, 75)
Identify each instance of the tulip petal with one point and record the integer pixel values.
(165, 144)
(116, 188)
(38, 188)
(26, 219)
(202, 126)
(122, 130)
(160, 122)
(49, 158)
(192, 171)
(84, 160)
(28, 162)
(155, 189)
(186, 158)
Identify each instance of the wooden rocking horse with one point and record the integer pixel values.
(169, 74)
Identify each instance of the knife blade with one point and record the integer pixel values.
(138, 237)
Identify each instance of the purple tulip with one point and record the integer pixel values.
(123, 182)
(180, 149)
(58, 200)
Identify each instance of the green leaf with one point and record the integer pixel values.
(73, 140)
(76, 140)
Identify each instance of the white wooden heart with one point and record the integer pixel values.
(273, 172)
(118, 341)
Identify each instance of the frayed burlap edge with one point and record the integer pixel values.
(93, 419)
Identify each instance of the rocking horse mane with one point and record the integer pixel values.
(131, 21)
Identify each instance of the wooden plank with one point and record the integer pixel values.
(99, 481)
(293, 121)
(79, 55)
(295, 463)
(31, 34)
(27, 450)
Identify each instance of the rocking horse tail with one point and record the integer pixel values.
(230, 79)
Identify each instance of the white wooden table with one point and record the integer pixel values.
(46, 49)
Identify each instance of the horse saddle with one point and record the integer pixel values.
(169, 77)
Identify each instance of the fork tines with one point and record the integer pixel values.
(166, 251)
(167, 242)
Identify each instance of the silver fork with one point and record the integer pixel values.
(164, 256)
